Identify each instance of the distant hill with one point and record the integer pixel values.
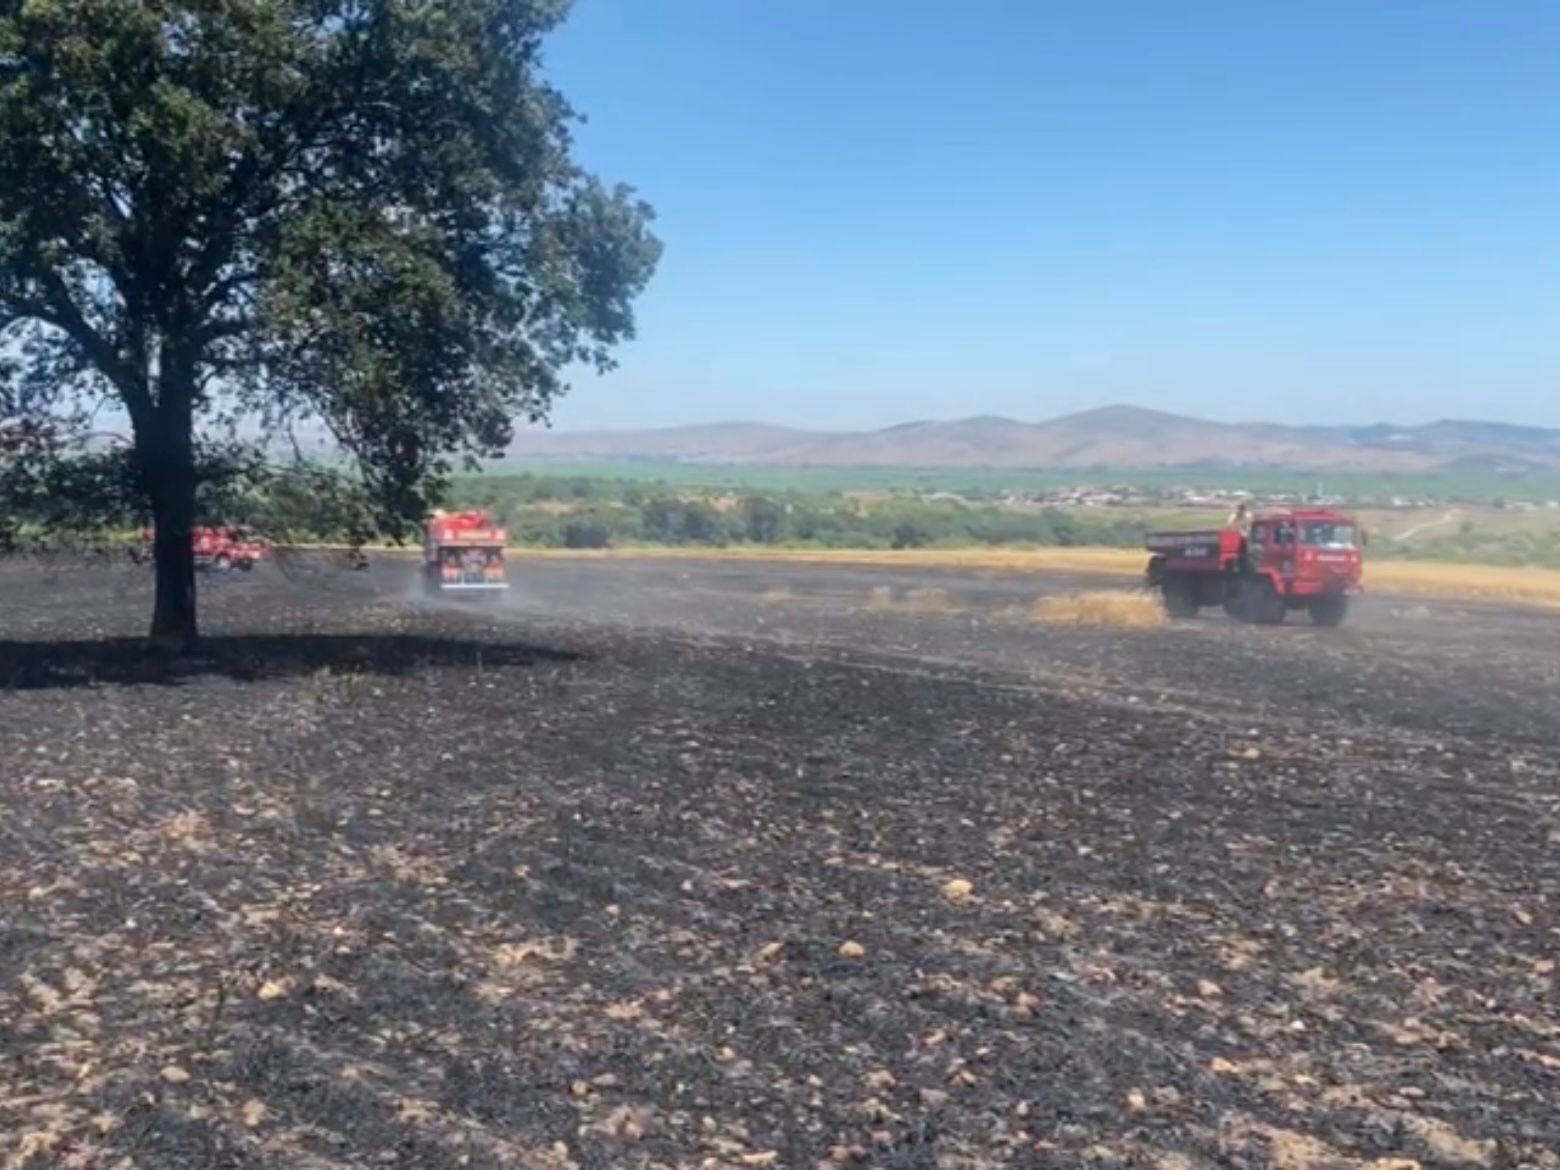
(1125, 437)
(733, 442)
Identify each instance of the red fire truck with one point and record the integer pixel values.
(463, 554)
(222, 547)
(218, 547)
(1292, 558)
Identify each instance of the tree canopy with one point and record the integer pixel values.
(361, 214)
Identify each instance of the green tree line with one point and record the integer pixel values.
(585, 513)
(60, 501)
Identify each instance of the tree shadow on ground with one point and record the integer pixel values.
(50, 665)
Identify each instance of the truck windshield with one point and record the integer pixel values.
(1326, 534)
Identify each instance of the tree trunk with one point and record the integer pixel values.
(166, 446)
(173, 516)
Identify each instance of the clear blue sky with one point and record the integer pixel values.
(880, 210)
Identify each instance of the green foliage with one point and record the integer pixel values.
(361, 215)
(582, 512)
(586, 532)
(300, 502)
(673, 520)
(990, 483)
(59, 488)
(48, 486)
(304, 503)
(762, 520)
(1473, 545)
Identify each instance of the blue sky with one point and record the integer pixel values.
(880, 210)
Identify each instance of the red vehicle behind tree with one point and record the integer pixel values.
(1293, 558)
(221, 547)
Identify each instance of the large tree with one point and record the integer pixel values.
(361, 212)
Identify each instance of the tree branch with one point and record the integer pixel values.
(60, 310)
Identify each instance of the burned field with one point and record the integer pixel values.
(770, 876)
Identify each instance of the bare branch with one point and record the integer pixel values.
(60, 310)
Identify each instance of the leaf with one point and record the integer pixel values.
(273, 989)
(957, 890)
(414, 1109)
(1025, 1004)
(626, 1123)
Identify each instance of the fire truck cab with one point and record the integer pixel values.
(1291, 558)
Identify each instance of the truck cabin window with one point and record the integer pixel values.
(1326, 534)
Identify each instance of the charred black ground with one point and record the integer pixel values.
(678, 865)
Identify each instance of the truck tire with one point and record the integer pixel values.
(1329, 610)
(246, 564)
(1180, 597)
(1266, 606)
(221, 563)
(1231, 599)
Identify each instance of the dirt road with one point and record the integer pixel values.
(691, 865)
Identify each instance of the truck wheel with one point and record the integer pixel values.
(222, 562)
(1329, 610)
(1180, 598)
(1267, 607)
(246, 565)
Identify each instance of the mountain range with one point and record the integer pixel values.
(1115, 437)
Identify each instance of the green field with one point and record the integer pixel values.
(1446, 487)
(585, 506)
